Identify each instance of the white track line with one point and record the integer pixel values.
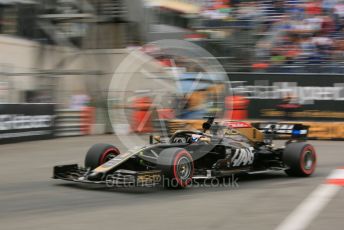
(310, 208)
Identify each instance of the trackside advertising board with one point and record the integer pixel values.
(24, 122)
(319, 97)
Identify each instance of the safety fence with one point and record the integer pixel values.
(38, 121)
(74, 122)
(296, 97)
(26, 122)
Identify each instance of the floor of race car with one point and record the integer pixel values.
(30, 199)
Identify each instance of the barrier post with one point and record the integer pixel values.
(87, 119)
(236, 107)
(141, 118)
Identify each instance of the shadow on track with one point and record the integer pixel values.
(238, 182)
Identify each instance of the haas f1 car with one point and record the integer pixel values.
(219, 150)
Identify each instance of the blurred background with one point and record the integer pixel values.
(282, 61)
(132, 68)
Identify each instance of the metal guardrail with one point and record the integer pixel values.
(73, 122)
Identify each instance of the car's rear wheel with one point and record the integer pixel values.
(98, 154)
(177, 167)
(301, 159)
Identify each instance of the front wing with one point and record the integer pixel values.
(119, 178)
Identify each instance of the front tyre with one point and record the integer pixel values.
(177, 167)
(98, 154)
(301, 159)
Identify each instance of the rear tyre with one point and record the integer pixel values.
(98, 154)
(177, 167)
(301, 159)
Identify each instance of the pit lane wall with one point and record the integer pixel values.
(319, 99)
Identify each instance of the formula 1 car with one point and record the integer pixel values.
(219, 150)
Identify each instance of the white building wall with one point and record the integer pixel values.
(21, 59)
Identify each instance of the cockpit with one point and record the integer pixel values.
(214, 133)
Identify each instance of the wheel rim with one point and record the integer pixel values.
(108, 155)
(308, 160)
(184, 168)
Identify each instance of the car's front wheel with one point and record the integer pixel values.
(177, 167)
(98, 154)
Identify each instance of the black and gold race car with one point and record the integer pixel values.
(219, 150)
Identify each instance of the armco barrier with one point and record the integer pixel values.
(320, 96)
(26, 122)
(318, 130)
(74, 122)
(326, 130)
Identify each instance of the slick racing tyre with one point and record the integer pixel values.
(98, 154)
(177, 167)
(301, 159)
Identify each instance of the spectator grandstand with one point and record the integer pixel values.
(269, 36)
(263, 36)
(290, 36)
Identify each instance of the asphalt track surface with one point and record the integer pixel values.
(30, 199)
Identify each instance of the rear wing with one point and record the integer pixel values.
(246, 129)
(283, 130)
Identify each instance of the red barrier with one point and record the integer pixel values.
(236, 107)
(141, 118)
(164, 114)
(87, 119)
